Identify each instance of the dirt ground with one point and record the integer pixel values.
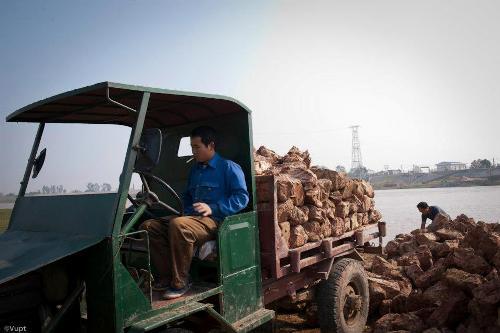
(293, 322)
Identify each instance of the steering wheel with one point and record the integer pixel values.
(149, 197)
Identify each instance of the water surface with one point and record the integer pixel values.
(398, 207)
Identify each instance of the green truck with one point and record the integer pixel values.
(79, 262)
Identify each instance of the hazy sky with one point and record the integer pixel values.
(419, 77)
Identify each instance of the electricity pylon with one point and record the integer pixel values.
(356, 161)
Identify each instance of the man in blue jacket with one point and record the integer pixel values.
(216, 188)
(434, 213)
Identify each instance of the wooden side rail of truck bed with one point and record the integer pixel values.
(284, 271)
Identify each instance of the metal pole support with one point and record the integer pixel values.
(31, 160)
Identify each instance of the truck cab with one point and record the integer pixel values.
(82, 259)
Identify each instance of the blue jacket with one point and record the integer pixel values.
(221, 184)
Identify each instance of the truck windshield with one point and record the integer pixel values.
(80, 159)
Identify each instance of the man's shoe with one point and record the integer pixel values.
(172, 293)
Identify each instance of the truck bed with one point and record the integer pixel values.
(286, 270)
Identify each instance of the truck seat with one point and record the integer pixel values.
(207, 251)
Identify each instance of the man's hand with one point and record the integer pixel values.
(202, 208)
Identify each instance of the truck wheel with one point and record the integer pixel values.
(343, 298)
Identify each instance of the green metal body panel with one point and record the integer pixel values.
(100, 292)
(131, 299)
(129, 302)
(48, 228)
(26, 251)
(44, 229)
(79, 214)
(95, 110)
(240, 269)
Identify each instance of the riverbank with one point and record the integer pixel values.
(438, 184)
(451, 178)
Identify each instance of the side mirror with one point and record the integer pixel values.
(148, 150)
(38, 163)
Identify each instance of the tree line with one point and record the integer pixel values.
(60, 189)
(481, 164)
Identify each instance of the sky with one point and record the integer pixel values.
(420, 78)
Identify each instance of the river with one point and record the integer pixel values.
(398, 207)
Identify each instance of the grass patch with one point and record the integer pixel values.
(4, 218)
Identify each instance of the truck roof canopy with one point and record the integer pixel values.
(96, 104)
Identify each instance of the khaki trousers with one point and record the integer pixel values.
(439, 221)
(172, 241)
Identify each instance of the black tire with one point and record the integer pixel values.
(343, 298)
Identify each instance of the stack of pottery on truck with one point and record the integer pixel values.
(314, 202)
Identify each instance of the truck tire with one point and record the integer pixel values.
(343, 298)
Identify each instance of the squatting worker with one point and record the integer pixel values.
(433, 213)
(216, 188)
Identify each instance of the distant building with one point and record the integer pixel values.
(425, 169)
(450, 166)
(421, 169)
(394, 171)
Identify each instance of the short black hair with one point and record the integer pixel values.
(206, 133)
(422, 204)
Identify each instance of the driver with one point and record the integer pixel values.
(216, 188)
